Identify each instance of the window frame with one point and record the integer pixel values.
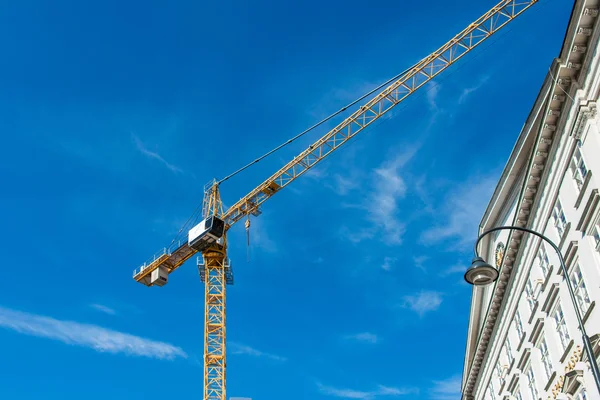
(543, 260)
(578, 286)
(576, 165)
(559, 217)
(564, 337)
(545, 356)
(519, 325)
(533, 390)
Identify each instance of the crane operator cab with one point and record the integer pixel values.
(206, 233)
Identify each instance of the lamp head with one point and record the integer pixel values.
(481, 273)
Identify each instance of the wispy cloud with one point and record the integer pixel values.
(388, 262)
(467, 91)
(365, 337)
(103, 309)
(463, 209)
(381, 204)
(85, 335)
(419, 261)
(433, 89)
(238, 348)
(151, 154)
(454, 269)
(358, 394)
(448, 389)
(423, 302)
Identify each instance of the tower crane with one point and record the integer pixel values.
(209, 237)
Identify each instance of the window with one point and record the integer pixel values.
(581, 293)
(578, 168)
(519, 325)
(509, 355)
(560, 221)
(545, 355)
(500, 372)
(580, 395)
(492, 391)
(543, 261)
(518, 394)
(561, 327)
(531, 383)
(529, 294)
(597, 235)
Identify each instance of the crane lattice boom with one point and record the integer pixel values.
(215, 268)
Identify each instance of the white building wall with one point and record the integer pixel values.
(527, 356)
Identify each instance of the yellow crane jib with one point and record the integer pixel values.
(210, 236)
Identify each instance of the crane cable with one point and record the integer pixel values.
(341, 110)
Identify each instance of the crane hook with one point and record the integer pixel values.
(247, 224)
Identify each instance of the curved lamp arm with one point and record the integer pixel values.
(586, 340)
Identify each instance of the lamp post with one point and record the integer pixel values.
(481, 273)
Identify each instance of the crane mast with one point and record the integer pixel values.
(209, 236)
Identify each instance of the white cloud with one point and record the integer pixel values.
(151, 154)
(85, 335)
(358, 394)
(388, 262)
(238, 348)
(419, 261)
(433, 90)
(448, 389)
(423, 301)
(463, 209)
(104, 309)
(381, 205)
(365, 337)
(455, 269)
(467, 91)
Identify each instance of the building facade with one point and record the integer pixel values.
(523, 340)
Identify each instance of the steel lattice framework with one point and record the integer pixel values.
(215, 268)
(214, 325)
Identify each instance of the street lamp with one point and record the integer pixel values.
(481, 273)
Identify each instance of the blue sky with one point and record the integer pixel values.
(113, 117)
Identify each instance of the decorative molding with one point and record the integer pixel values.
(565, 234)
(588, 212)
(536, 332)
(573, 381)
(547, 279)
(524, 360)
(521, 341)
(535, 307)
(583, 189)
(595, 348)
(567, 350)
(569, 256)
(589, 311)
(585, 112)
(552, 377)
(514, 382)
(551, 298)
(575, 357)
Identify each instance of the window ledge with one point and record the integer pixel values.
(535, 307)
(567, 350)
(563, 239)
(586, 182)
(547, 387)
(589, 311)
(547, 279)
(521, 341)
